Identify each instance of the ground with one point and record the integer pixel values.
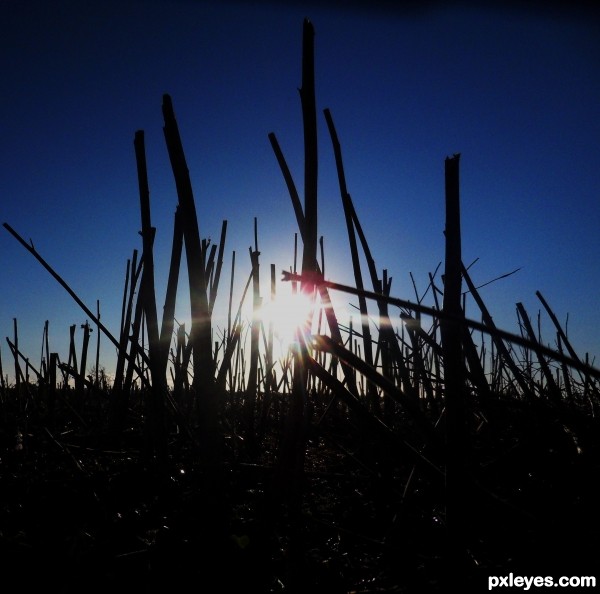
(80, 511)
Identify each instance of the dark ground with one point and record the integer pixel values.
(80, 512)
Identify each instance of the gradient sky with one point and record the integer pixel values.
(515, 92)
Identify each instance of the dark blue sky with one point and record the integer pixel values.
(516, 92)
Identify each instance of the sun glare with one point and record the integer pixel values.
(286, 313)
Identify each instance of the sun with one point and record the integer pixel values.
(285, 314)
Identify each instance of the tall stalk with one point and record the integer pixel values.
(292, 453)
(214, 285)
(16, 359)
(200, 335)
(168, 318)
(200, 340)
(454, 382)
(83, 363)
(252, 387)
(97, 365)
(348, 212)
(327, 306)
(155, 406)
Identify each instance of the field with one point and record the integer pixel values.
(379, 458)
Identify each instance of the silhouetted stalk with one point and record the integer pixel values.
(527, 365)
(494, 371)
(292, 453)
(83, 364)
(476, 372)
(230, 293)
(242, 364)
(214, 286)
(320, 357)
(350, 341)
(82, 305)
(226, 368)
(309, 120)
(436, 365)
(97, 366)
(180, 382)
(586, 390)
(390, 340)
(21, 378)
(295, 267)
(553, 389)
(565, 372)
(287, 176)
(17, 353)
(497, 335)
(421, 378)
(2, 389)
(200, 340)
(414, 325)
(72, 361)
(348, 212)
(454, 380)
(128, 270)
(16, 359)
(168, 318)
(142, 346)
(200, 331)
(53, 361)
(156, 429)
(135, 350)
(119, 396)
(77, 377)
(564, 338)
(269, 354)
(45, 352)
(251, 389)
(209, 262)
(126, 310)
(285, 373)
(233, 340)
(179, 374)
(236, 385)
(26, 400)
(387, 342)
(323, 293)
(424, 309)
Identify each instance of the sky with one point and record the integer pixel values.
(515, 91)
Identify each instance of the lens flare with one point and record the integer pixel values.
(285, 314)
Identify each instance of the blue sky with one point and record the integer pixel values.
(516, 92)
